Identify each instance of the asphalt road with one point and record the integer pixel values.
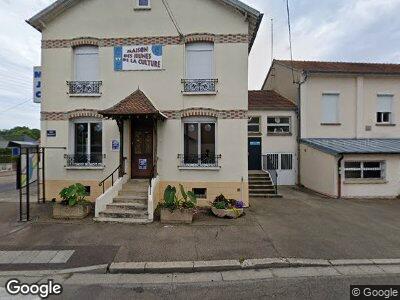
(294, 288)
(5, 187)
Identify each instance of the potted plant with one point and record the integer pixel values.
(176, 210)
(227, 208)
(73, 204)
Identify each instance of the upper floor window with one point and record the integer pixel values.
(384, 111)
(199, 68)
(330, 108)
(254, 125)
(86, 72)
(278, 125)
(143, 4)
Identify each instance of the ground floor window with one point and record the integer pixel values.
(87, 143)
(200, 193)
(364, 170)
(199, 143)
(254, 125)
(278, 161)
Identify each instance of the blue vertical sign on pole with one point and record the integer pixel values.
(37, 84)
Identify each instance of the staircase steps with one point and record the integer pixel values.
(130, 206)
(261, 186)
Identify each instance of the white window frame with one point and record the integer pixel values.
(145, 7)
(272, 125)
(382, 169)
(379, 114)
(199, 121)
(337, 119)
(87, 121)
(254, 124)
(278, 160)
(188, 45)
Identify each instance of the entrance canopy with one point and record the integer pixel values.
(136, 104)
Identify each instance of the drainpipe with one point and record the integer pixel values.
(340, 176)
(300, 83)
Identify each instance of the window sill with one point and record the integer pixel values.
(331, 124)
(188, 168)
(254, 133)
(142, 8)
(85, 95)
(198, 93)
(385, 124)
(279, 134)
(85, 168)
(365, 181)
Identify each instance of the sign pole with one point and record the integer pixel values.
(27, 184)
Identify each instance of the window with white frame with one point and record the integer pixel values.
(143, 4)
(384, 109)
(278, 161)
(254, 125)
(87, 142)
(364, 169)
(200, 61)
(279, 125)
(86, 63)
(199, 142)
(330, 108)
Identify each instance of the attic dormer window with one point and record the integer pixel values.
(143, 4)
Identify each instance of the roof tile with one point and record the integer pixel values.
(269, 100)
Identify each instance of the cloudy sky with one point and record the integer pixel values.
(340, 30)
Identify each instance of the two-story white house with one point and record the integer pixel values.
(348, 125)
(146, 93)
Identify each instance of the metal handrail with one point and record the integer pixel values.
(199, 85)
(273, 173)
(121, 166)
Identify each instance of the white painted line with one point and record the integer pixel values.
(7, 257)
(62, 257)
(44, 257)
(25, 257)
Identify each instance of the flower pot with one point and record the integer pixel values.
(70, 212)
(227, 213)
(179, 216)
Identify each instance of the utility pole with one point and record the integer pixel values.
(272, 40)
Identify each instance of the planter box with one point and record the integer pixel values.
(180, 216)
(227, 213)
(66, 212)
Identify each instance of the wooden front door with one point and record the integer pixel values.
(142, 149)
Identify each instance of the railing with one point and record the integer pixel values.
(199, 85)
(114, 175)
(84, 87)
(85, 160)
(199, 161)
(270, 165)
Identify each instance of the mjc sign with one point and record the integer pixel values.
(37, 84)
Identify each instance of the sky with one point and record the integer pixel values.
(334, 30)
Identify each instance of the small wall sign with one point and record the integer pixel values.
(115, 145)
(16, 152)
(255, 143)
(51, 133)
(142, 164)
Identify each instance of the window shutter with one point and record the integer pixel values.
(199, 61)
(385, 103)
(86, 64)
(330, 107)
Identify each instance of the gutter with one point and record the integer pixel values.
(300, 83)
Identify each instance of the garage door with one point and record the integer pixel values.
(284, 164)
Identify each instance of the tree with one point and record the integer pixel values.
(18, 132)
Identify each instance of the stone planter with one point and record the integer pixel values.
(67, 212)
(179, 216)
(228, 213)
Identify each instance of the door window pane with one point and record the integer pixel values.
(96, 143)
(208, 143)
(191, 143)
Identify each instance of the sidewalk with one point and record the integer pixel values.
(300, 225)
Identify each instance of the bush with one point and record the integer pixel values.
(74, 195)
(172, 202)
(221, 202)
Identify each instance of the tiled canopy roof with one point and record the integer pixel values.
(263, 100)
(342, 67)
(354, 146)
(136, 103)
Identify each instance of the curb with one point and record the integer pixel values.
(97, 269)
(230, 265)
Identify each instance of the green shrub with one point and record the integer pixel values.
(172, 202)
(73, 195)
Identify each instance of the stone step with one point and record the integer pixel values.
(123, 220)
(131, 197)
(262, 187)
(268, 182)
(265, 196)
(263, 191)
(133, 193)
(127, 206)
(122, 214)
(130, 200)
